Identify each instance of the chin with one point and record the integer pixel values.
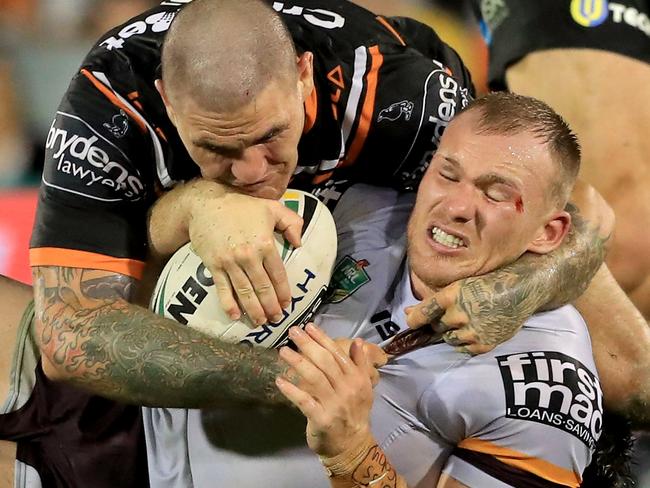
(437, 272)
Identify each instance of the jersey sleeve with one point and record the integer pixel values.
(523, 418)
(398, 98)
(96, 184)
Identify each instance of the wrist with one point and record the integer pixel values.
(196, 195)
(345, 463)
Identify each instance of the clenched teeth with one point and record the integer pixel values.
(441, 237)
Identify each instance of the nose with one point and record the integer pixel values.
(251, 167)
(460, 204)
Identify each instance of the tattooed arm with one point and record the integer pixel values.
(480, 312)
(93, 337)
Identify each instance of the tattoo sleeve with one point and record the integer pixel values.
(499, 302)
(94, 338)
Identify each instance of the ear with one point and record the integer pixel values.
(550, 236)
(305, 63)
(160, 86)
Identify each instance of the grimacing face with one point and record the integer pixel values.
(253, 149)
(481, 204)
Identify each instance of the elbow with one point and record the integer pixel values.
(54, 363)
(56, 350)
(630, 398)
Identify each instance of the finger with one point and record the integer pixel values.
(225, 294)
(461, 337)
(424, 313)
(313, 377)
(326, 342)
(264, 291)
(279, 279)
(288, 223)
(304, 401)
(433, 307)
(323, 359)
(375, 355)
(440, 326)
(358, 353)
(454, 318)
(360, 357)
(245, 293)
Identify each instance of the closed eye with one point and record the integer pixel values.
(448, 176)
(498, 194)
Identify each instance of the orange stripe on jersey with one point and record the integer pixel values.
(111, 96)
(539, 467)
(311, 110)
(368, 107)
(391, 29)
(320, 178)
(70, 258)
(161, 134)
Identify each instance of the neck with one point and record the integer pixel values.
(419, 288)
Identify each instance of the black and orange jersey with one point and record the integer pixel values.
(385, 89)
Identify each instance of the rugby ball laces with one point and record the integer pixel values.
(185, 290)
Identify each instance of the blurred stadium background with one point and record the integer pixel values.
(42, 43)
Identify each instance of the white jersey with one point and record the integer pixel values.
(526, 414)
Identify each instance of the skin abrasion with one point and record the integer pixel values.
(519, 205)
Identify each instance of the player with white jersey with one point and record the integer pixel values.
(479, 419)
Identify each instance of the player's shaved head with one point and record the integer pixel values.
(222, 53)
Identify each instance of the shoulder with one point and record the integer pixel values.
(373, 213)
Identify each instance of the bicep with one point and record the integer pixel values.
(66, 300)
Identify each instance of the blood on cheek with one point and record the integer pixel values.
(519, 205)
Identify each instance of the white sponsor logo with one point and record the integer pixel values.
(554, 389)
(158, 22)
(73, 155)
(119, 124)
(396, 110)
(315, 16)
(630, 16)
(450, 95)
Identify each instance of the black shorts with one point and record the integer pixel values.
(67, 438)
(514, 28)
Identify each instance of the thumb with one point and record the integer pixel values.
(375, 355)
(358, 352)
(289, 223)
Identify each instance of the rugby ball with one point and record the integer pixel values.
(185, 291)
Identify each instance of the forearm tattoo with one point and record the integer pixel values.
(116, 349)
(499, 302)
